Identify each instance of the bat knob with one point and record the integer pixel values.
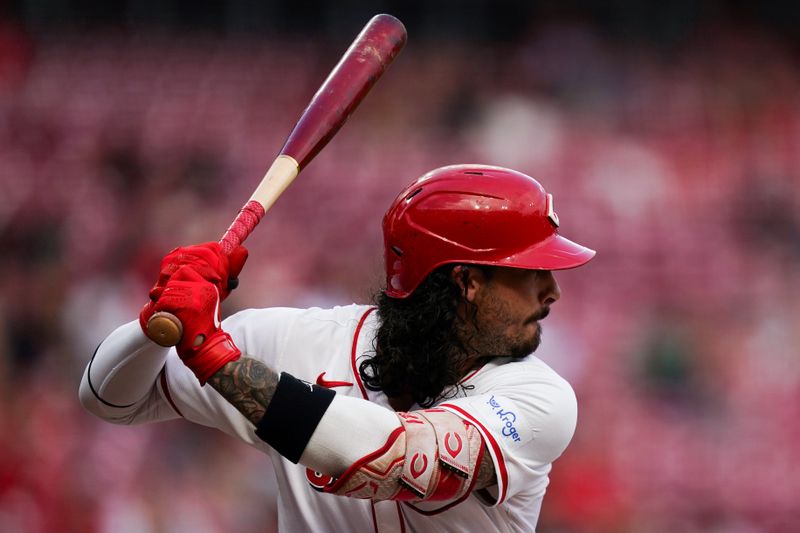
(164, 329)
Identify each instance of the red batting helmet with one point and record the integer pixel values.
(473, 214)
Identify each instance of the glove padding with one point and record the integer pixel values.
(206, 259)
(204, 346)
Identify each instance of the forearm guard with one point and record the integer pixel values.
(435, 455)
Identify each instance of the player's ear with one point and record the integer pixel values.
(469, 280)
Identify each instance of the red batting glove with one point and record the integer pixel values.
(206, 259)
(204, 346)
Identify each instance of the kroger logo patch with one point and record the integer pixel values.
(507, 420)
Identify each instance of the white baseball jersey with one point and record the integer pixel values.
(525, 412)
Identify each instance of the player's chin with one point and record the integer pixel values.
(534, 331)
(529, 342)
(536, 339)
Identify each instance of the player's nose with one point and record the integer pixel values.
(551, 292)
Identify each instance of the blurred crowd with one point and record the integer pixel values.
(681, 338)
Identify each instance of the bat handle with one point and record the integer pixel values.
(247, 219)
(165, 328)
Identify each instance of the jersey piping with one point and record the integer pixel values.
(357, 377)
(354, 355)
(165, 389)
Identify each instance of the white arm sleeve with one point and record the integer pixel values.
(350, 429)
(120, 382)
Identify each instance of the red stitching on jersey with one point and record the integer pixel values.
(498, 454)
(402, 520)
(399, 514)
(471, 374)
(165, 389)
(353, 353)
(374, 518)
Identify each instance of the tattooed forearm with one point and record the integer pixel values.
(248, 385)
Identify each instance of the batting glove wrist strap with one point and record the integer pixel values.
(217, 351)
(293, 415)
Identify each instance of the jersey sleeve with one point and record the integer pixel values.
(527, 415)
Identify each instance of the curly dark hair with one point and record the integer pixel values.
(423, 343)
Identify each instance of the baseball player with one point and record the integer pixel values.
(427, 412)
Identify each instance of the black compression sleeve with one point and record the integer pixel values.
(292, 415)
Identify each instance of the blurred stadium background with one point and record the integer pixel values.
(669, 134)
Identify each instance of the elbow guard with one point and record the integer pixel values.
(434, 456)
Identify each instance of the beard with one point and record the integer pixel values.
(494, 344)
(497, 332)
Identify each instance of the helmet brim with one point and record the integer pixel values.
(554, 253)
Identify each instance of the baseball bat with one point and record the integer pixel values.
(345, 87)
